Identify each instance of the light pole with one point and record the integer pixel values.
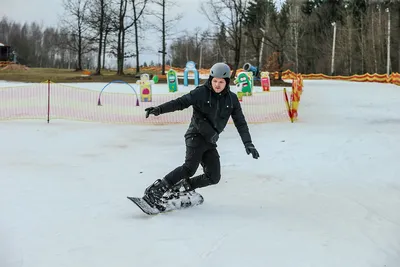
(333, 48)
(261, 49)
(201, 55)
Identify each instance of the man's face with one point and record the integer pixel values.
(218, 84)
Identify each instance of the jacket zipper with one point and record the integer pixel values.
(216, 113)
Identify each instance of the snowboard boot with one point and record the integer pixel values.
(154, 193)
(181, 188)
(183, 184)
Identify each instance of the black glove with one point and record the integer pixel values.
(153, 110)
(251, 149)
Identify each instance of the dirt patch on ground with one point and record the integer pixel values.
(13, 66)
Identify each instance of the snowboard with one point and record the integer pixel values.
(173, 201)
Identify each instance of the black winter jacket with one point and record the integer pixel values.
(211, 112)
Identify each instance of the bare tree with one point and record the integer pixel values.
(121, 25)
(138, 7)
(107, 31)
(98, 11)
(36, 42)
(221, 40)
(5, 30)
(296, 30)
(278, 38)
(75, 23)
(194, 45)
(121, 28)
(398, 37)
(257, 20)
(363, 43)
(230, 13)
(164, 25)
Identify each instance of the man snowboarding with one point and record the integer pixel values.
(213, 103)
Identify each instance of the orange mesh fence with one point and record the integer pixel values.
(57, 101)
(381, 78)
(295, 96)
(25, 102)
(396, 78)
(288, 74)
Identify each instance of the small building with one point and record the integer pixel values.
(6, 53)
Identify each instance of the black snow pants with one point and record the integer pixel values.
(198, 151)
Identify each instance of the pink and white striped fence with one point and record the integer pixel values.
(50, 101)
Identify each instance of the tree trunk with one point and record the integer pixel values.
(296, 38)
(398, 40)
(123, 52)
(119, 54)
(281, 60)
(350, 56)
(104, 48)
(121, 38)
(236, 62)
(380, 44)
(163, 39)
(79, 63)
(362, 46)
(136, 40)
(373, 43)
(101, 30)
(236, 56)
(119, 48)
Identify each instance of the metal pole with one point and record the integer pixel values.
(201, 55)
(388, 44)
(333, 48)
(48, 101)
(261, 50)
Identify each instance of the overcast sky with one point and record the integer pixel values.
(48, 12)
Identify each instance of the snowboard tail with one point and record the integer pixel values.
(175, 201)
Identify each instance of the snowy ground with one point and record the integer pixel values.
(325, 192)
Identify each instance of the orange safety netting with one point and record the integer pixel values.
(381, 78)
(57, 101)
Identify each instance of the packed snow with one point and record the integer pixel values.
(324, 193)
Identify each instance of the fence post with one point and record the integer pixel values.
(288, 105)
(48, 101)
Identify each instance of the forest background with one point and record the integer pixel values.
(334, 37)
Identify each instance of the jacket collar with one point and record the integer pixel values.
(223, 93)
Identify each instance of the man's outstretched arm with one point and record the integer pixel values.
(241, 125)
(179, 103)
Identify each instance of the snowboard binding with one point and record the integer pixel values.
(161, 197)
(153, 194)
